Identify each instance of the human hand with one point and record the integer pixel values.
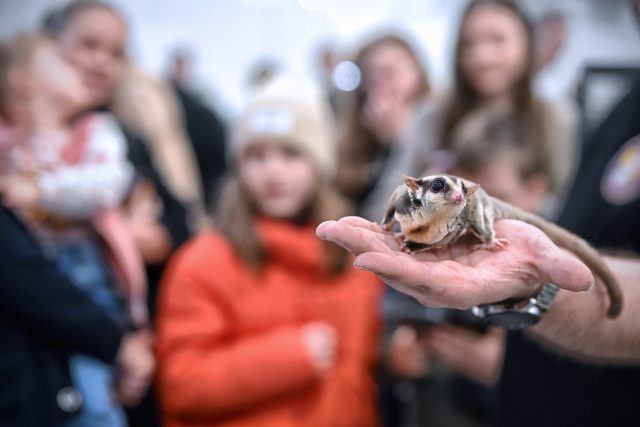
(143, 205)
(143, 212)
(320, 341)
(135, 364)
(458, 276)
(18, 191)
(407, 355)
(477, 356)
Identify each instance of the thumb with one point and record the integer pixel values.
(563, 269)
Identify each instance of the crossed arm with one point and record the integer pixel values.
(458, 277)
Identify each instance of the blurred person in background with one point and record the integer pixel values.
(492, 149)
(262, 72)
(260, 323)
(44, 318)
(65, 175)
(325, 60)
(204, 126)
(92, 36)
(494, 68)
(66, 179)
(149, 107)
(394, 84)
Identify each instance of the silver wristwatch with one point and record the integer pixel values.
(520, 314)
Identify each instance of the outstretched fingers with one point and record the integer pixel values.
(435, 284)
(357, 235)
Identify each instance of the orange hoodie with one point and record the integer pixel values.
(228, 339)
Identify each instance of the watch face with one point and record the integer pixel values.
(512, 320)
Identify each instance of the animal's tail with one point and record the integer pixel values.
(575, 244)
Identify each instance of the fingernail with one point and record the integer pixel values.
(356, 265)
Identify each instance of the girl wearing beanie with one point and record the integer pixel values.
(260, 323)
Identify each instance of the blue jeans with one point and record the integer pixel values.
(83, 262)
(94, 380)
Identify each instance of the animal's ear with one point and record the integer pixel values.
(472, 189)
(412, 183)
(389, 217)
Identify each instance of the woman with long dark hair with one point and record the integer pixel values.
(394, 85)
(494, 68)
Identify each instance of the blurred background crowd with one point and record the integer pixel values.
(163, 166)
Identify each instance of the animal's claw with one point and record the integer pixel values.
(402, 242)
(496, 245)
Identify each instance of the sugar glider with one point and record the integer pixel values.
(434, 211)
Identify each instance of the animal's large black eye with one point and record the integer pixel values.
(437, 185)
(464, 188)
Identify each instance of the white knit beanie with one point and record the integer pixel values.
(294, 111)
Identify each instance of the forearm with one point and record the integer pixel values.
(153, 241)
(577, 322)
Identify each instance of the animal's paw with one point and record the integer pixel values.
(500, 244)
(496, 245)
(402, 242)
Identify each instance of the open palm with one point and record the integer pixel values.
(459, 276)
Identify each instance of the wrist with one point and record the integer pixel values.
(519, 314)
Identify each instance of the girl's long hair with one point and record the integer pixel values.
(465, 99)
(235, 215)
(358, 146)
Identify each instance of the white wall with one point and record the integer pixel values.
(227, 36)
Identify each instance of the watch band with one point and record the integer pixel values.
(518, 315)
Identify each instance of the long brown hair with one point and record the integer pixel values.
(358, 145)
(465, 98)
(235, 214)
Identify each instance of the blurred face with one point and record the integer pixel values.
(94, 42)
(280, 179)
(389, 70)
(503, 181)
(493, 54)
(55, 79)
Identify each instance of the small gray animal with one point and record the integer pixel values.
(435, 211)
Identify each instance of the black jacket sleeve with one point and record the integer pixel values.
(39, 299)
(174, 215)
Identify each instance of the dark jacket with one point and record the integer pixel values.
(43, 318)
(540, 388)
(208, 139)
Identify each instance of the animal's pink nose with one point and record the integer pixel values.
(457, 197)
